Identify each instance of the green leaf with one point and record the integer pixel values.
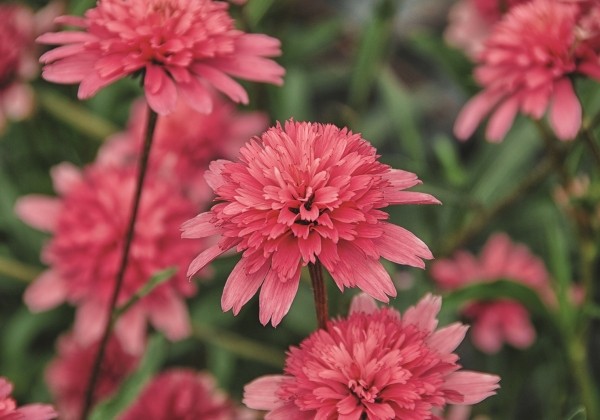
(132, 386)
(494, 291)
(577, 414)
(446, 153)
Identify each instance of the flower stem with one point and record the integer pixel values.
(319, 291)
(142, 169)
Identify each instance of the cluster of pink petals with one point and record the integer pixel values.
(302, 193)
(501, 320)
(10, 411)
(376, 364)
(182, 394)
(88, 222)
(185, 142)
(179, 46)
(18, 63)
(68, 374)
(470, 22)
(527, 64)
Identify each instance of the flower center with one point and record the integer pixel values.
(363, 391)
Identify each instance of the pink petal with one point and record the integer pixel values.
(258, 44)
(363, 303)
(401, 246)
(93, 82)
(46, 292)
(473, 112)
(502, 119)
(565, 111)
(222, 82)
(447, 339)
(36, 412)
(261, 393)
(200, 227)
(38, 211)
(204, 258)
(196, 95)
(160, 90)
(473, 386)
(64, 177)
(131, 330)
(90, 321)
(424, 314)
(241, 286)
(276, 297)
(168, 314)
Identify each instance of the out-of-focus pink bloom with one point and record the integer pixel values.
(501, 320)
(470, 22)
(181, 394)
(526, 66)
(68, 375)
(300, 193)
(179, 46)
(88, 222)
(185, 142)
(18, 61)
(10, 411)
(376, 365)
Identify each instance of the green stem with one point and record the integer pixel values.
(319, 292)
(89, 393)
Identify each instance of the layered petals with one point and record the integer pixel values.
(306, 193)
(375, 364)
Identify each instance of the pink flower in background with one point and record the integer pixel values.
(470, 22)
(18, 60)
(300, 193)
(68, 374)
(501, 320)
(376, 365)
(88, 223)
(10, 411)
(181, 394)
(527, 65)
(179, 46)
(185, 142)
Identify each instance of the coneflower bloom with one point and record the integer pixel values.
(68, 374)
(181, 394)
(376, 364)
(88, 222)
(185, 142)
(10, 411)
(299, 193)
(502, 320)
(179, 46)
(526, 66)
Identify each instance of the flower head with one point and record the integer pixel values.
(180, 394)
(88, 222)
(179, 46)
(185, 142)
(299, 193)
(502, 320)
(10, 411)
(68, 374)
(526, 66)
(375, 365)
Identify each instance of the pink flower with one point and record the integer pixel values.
(297, 194)
(68, 375)
(10, 411)
(376, 365)
(88, 222)
(501, 320)
(527, 65)
(18, 62)
(179, 46)
(185, 142)
(470, 22)
(181, 394)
